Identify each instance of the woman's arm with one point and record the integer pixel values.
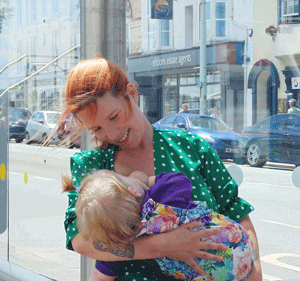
(180, 244)
(256, 273)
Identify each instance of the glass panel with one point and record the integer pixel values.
(36, 56)
(191, 96)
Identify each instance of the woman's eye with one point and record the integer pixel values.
(97, 129)
(113, 118)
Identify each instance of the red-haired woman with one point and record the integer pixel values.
(103, 101)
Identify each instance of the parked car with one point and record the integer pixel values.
(18, 118)
(40, 126)
(220, 136)
(275, 139)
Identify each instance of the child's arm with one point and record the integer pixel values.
(96, 275)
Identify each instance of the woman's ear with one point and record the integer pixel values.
(132, 92)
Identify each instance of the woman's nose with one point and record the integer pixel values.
(112, 133)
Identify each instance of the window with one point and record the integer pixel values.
(33, 10)
(290, 11)
(220, 19)
(158, 31)
(168, 121)
(44, 6)
(19, 11)
(54, 6)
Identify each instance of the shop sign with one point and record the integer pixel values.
(295, 83)
(162, 9)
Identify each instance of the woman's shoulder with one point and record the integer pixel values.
(175, 135)
(87, 157)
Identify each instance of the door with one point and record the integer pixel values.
(278, 140)
(293, 139)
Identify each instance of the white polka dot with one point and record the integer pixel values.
(219, 186)
(179, 143)
(191, 169)
(214, 179)
(193, 187)
(227, 200)
(203, 193)
(230, 191)
(242, 208)
(182, 166)
(173, 170)
(238, 216)
(231, 209)
(163, 156)
(211, 162)
(195, 196)
(208, 171)
(193, 178)
(217, 170)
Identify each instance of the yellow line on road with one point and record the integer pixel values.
(281, 223)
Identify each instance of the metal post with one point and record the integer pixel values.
(203, 84)
(102, 32)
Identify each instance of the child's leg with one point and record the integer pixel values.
(96, 275)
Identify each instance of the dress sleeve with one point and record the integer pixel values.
(220, 183)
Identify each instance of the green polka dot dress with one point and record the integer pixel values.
(174, 151)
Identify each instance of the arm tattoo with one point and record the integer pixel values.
(254, 255)
(125, 252)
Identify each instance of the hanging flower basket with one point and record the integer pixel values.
(272, 30)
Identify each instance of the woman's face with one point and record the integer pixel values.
(109, 124)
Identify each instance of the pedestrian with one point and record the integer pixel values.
(104, 102)
(132, 206)
(184, 108)
(293, 107)
(216, 114)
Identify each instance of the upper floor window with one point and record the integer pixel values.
(54, 6)
(220, 19)
(158, 31)
(44, 7)
(19, 12)
(290, 11)
(33, 10)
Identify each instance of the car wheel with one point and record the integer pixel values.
(27, 138)
(19, 140)
(254, 156)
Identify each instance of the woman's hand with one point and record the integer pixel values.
(183, 244)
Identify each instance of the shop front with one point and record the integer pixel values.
(167, 80)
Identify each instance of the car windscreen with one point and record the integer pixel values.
(52, 117)
(19, 113)
(198, 122)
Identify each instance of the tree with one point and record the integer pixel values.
(5, 12)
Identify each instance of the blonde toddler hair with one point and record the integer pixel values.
(106, 211)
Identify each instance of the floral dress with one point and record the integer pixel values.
(174, 151)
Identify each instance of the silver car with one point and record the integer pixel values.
(40, 126)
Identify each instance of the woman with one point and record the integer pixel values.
(103, 101)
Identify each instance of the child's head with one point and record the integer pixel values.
(106, 210)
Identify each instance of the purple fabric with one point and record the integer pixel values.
(169, 189)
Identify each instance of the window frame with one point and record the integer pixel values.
(220, 19)
(158, 32)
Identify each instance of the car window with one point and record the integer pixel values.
(180, 120)
(35, 116)
(294, 124)
(279, 122)
(168, 121)
(199, 122)
(52, 117)
(41, 117)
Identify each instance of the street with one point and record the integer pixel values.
(36, 213)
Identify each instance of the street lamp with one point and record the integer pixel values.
(202, 49)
